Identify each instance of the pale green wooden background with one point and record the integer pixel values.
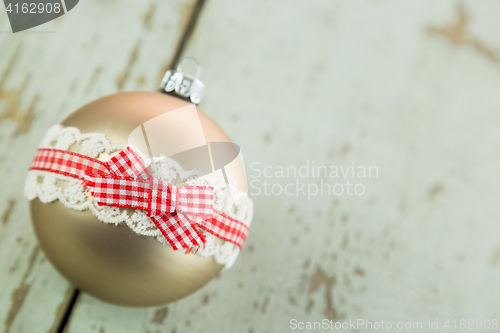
(410, 86)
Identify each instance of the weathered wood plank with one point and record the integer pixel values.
(408, 86)
(98, 48)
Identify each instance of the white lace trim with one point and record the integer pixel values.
(49, 186)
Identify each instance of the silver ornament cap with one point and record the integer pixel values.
(182, 85)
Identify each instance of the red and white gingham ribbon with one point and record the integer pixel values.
(123, 181)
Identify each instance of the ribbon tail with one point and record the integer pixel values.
(225, 227)
(179, 231)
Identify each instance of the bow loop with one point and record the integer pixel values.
(126, 164)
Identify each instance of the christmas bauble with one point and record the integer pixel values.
(109, 260)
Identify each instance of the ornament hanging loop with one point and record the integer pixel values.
(182, 85)
(188, 59)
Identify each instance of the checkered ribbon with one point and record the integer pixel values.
(123, 181)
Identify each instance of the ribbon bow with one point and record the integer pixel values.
(124, 181)
(176, 211)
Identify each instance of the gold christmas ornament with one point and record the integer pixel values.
(112, 261)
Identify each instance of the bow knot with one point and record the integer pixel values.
(190, 200)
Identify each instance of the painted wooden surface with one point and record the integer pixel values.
(408, 86)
